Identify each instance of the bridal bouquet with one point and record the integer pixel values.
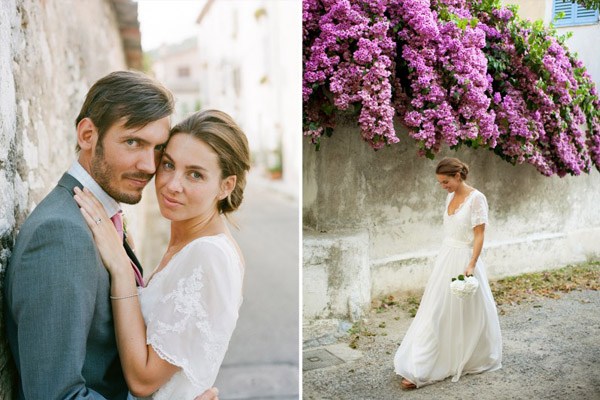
(462, 286)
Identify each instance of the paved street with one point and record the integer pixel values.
(551, 350)
(262, 361)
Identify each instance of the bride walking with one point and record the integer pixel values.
(451, 336)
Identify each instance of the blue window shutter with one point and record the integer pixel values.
(585, 15)
(565, 7)
(574, 14)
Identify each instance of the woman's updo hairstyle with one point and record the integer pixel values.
(450, 166)
(218, 130)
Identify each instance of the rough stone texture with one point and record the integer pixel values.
(337, 269)
(392, 199)
(50, 53)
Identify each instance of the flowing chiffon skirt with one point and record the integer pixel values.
(451, 336)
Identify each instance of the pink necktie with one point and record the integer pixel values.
(117, 221)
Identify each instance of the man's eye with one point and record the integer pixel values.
(160, 147)
(132, 142)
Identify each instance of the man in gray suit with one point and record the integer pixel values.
(58, 313)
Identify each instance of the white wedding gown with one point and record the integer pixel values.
(191, 308)
(451, 336)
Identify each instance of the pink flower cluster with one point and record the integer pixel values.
(349, 57)
(536, 82)
(455, 72)
(446, 67)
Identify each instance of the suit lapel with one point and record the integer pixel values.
(69, 182)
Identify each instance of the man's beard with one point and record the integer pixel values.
(103, 174)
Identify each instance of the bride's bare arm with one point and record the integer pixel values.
(144, 370)
(478, 233)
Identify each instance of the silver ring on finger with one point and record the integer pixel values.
(98, 221)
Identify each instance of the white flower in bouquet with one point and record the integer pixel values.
(464, 287)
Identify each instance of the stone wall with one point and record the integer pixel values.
(50, 54)
(372, 220)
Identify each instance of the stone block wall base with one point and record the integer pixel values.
(336, 275)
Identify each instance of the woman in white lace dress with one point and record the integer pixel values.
(173, 339)
(451, 336)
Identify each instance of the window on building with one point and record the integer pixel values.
(574, 14)
(183, 72)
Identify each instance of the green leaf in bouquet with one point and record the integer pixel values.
(461, 277)
(453, 279)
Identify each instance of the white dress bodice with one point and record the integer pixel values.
(191, 308)
(458, 227)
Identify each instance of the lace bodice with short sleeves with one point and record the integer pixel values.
(191, 309)
(451, 336)
(472, 212)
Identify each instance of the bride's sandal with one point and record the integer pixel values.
(406, 384)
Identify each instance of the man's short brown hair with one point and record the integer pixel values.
(128, 95)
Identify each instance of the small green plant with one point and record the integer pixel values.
(358, 330)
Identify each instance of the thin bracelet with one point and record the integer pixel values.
(124, 297)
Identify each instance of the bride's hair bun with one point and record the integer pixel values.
(451, 166)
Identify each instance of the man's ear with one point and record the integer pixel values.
(87, 134)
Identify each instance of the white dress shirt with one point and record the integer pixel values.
(111, 206)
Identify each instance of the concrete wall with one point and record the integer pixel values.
(372, 220)
(50, 53)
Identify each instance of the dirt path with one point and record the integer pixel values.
(551, 350)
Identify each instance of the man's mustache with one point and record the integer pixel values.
(139, 176)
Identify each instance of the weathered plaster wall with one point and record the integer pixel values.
(50, 53)
(372, 220)
(385, 208)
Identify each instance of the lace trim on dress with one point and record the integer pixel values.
(461, 204)
(186, 301)
(479, 211)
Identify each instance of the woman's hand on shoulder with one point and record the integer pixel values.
(105, 235)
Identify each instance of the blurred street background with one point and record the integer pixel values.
(262, 361)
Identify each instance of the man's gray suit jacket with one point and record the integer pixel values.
(57, 307)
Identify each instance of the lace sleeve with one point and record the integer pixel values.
(192, 323)
(479, 210)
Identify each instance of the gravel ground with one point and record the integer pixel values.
(551, 350)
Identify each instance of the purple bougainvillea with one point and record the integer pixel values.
(454, 72)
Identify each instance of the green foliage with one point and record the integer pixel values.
(589, 4)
